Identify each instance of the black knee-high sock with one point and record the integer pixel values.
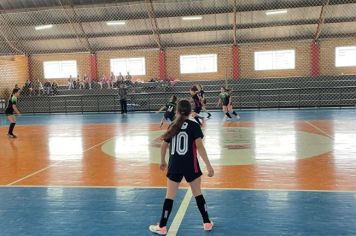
(197, 119)
(11, 128)
(234, 112)
(202, 208)
(166, 211)
(228, 115)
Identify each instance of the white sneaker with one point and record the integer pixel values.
(158, 230)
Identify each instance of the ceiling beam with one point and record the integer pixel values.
(321, 20)
(195, 29)
(153, 22)
(200, 44)
(80, 35)
(188, 11)
(234, 28)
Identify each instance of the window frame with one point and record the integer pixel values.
(274, 60)
(60, 65)
(336, 57)
(198, 58)
(126, 60)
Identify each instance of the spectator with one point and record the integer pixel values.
(113, 80)
(27, 88)
(123, 98)
(54, 88)
(70, 82)
(47, 87)
(17, 87)
(128, 77)
(37, 86)
(120, 78)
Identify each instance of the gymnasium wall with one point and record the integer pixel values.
(151, 57)
(13, 70)
(83, 64)
(17, 71)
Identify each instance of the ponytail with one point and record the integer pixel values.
(183, 109)
(174, 128)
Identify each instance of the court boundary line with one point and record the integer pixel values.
(55, 163)
(178, 218)
(319, 129)
(185, 188)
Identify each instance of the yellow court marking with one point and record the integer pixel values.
(173, 229)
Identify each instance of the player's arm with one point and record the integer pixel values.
(16, 110)
(164, 147)
(161, 109)
(219, 102)
(204, 156)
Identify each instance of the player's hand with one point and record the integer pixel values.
(210, 171)
(163, 165)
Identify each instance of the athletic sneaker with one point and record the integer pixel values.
(237, 116)
(158, 230)
(208, 226)
(226, 118)
(11, 136)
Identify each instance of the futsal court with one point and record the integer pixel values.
(277, 172)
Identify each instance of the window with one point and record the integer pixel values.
(204, 63)
(275, 60)
(345, 56)
(135, 66)
(59, 69)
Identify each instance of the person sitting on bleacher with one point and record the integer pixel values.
(70, 82)
(120, 77)
(27, 88)
(87, 82)
(47, 87)
(54, 88)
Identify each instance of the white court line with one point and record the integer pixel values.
(55, 163)
(173, 229)
(317, 128)
(164, 187)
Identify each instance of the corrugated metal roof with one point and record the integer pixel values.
(87, 20)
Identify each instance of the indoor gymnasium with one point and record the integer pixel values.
(177, 117)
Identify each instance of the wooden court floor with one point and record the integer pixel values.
(285, 155)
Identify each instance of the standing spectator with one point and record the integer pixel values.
(47, 87)
(123, 98)
(70, 82)
(120, 78)
(128, 79)
(113, 80)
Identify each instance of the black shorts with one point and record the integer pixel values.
(9, 113)
(169, 116)
(197, 110)
(177, 177)
(225, 104)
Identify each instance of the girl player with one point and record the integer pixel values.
(197, 103)
(11, 108)
(184, 138)
(203, 99)
(170, 110)
(225, 100)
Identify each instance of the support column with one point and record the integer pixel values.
(93, 67)
(315, 59)
(162, 65)
(29, 65)
(235, 62)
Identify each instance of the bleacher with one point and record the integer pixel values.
(247, 93)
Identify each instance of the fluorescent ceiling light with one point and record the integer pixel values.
(115, 22)
(276, 12)
(42, 27)
(192, 18)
